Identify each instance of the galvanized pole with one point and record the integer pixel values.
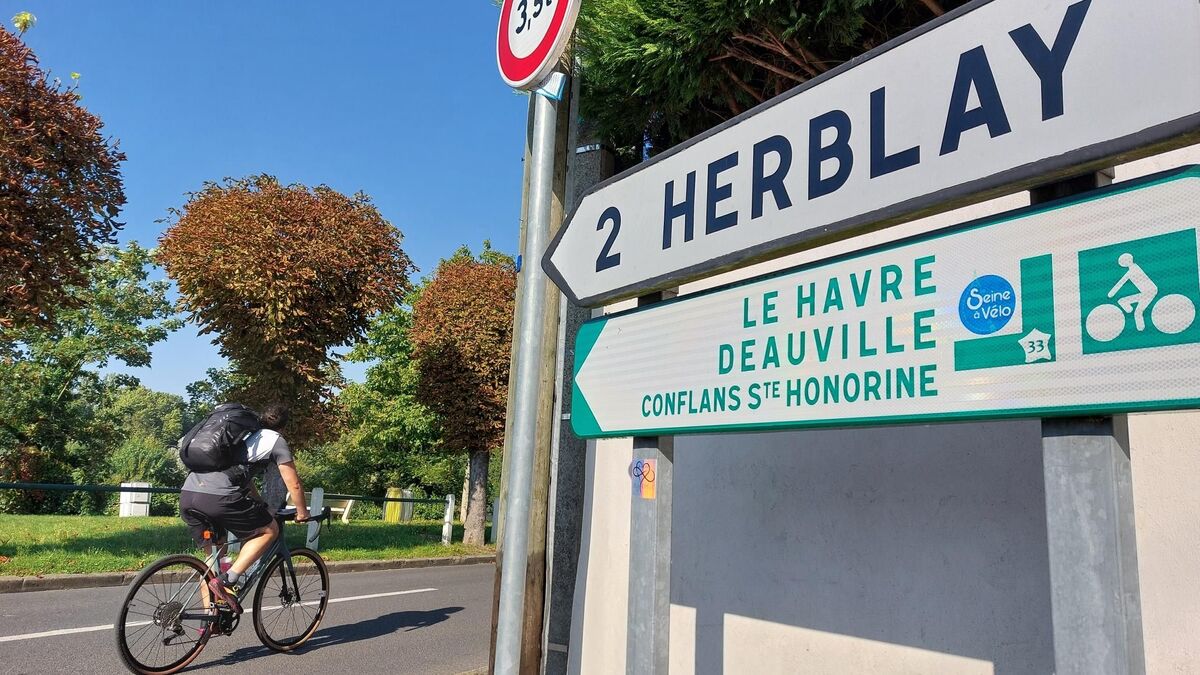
(588, 163)
(1095, 603)
(525, 408)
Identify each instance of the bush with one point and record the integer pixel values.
(142, 459)
(366, 511)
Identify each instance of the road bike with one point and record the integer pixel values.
(169, 613)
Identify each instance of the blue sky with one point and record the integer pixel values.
(398, 99)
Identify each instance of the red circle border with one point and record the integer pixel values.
(518, 71)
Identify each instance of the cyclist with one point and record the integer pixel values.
(1147, 290)
(229, 498)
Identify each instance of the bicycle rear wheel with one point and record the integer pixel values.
(166, 618)
(301, 591)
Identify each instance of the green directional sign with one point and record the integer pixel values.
(1086, 305)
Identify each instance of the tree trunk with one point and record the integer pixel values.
(473, 528)
(466, 492)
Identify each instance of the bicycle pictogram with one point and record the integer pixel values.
(1140, 293)
(1170, 314)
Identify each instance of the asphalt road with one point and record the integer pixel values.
(435, 620)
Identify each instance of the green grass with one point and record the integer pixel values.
(31, 545)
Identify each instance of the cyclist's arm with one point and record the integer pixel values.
(291, 479)
(1119, 285)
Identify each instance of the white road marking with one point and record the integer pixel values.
(379, 595)
(109, 626)
(52, 633)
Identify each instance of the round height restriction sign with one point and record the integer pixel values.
(532, 36)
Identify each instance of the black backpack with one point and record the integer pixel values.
(219, 441)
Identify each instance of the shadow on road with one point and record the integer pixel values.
(336, 635)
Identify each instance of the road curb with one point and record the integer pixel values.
(59, 582)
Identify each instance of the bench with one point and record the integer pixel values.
(336, 506)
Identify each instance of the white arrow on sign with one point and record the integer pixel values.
(988, 99)
(1077, 307)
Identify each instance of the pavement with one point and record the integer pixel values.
(434, 620)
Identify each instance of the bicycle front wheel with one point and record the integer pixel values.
(167, 616)
(290, 600)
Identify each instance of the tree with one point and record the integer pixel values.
(462, 337)
(391, 437)
(656, 72)
(138, 413)
(60, 188)
(50, 427)
(282, 275)
(216, 388)
(146, 426)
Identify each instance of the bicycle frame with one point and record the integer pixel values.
(279, 548)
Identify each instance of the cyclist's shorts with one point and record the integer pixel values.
(242, 515)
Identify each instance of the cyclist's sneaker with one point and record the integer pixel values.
(224, 595)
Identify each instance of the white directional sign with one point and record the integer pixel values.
(1083, 306)
(531, 38)
(991, 98)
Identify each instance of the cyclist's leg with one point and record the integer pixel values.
(254, 547)
(254, 526)
(192, 500)
(1142, 302)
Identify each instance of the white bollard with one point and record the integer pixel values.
(134, 504)
(314, 509)
(448, 521)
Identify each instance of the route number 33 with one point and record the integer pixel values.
(527, 17)
(1036, 346)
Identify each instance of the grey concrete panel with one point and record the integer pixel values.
(931, 537)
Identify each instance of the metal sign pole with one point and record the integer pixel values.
(647, 644)
(1095, 603)
(588, 163)
(529, 349)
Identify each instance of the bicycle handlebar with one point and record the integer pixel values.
(289, 514)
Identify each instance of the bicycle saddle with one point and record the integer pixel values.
(218, 533)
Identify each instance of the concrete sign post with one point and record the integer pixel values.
(990, 98)
(1083, 306)
(1095, 596)
(647, 646)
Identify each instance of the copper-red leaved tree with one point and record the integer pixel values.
(283, 274)
(462, 335)
(60, 189)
